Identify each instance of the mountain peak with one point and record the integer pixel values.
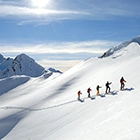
(21, 65)
(121, 46)
(22, 56)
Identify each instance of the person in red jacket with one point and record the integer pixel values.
(122, 83)
(88, 91)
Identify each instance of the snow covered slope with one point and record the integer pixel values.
(47, 109)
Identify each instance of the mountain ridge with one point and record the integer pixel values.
(120, 46)
(22, 64)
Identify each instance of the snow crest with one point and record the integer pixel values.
(122, 46)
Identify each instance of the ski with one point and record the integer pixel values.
(101, 95)
(93, 97)
(112, 93)
(81, 100)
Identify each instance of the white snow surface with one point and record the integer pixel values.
(48, 109)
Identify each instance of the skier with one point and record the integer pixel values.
(88, 91)
(122, 83)
(97, 88)
(79, 93)
(108, 87)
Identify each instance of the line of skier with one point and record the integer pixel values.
(122, 82)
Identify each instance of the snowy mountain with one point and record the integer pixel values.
(121, 46)
(48, 109)
(22, 65)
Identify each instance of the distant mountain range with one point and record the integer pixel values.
(23, 65)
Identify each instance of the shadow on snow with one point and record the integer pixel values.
(129, 89)
(12, 83)
(8, 123)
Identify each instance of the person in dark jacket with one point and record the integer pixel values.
(122, 83)
(108, 87)
(88, 91)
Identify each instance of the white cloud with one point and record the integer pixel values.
(95, 46)
(60, 10)
(27, 14)
(62, 65)
(59, 55)
(24, 11)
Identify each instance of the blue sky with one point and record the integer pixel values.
(61, 33)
